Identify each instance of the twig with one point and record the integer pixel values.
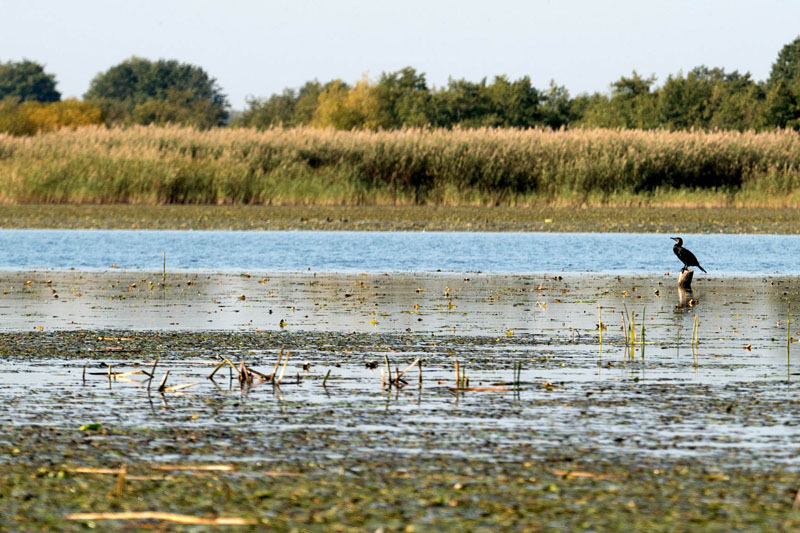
(204, 468)
(129, 373)
(479, 389)
(211, 375)
(181, 386)
(163, 382)
(283, 368)
(152, 374)
(325, 381)
(277, 364)
(403, 373)
(167, 517)
(230, 363)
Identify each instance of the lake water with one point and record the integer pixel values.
(238, 251)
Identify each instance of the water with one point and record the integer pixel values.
(238, 251)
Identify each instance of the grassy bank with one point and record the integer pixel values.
(305, 166)
(402, 218)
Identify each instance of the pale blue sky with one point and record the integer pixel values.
(259, 48)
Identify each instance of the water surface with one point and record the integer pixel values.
(346, 251)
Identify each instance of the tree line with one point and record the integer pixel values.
(140, 91)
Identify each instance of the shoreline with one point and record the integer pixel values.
(699, 219)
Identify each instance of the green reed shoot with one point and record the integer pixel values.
(625, 325)
(644, 313)
(632, 335)
(788, 334)
(599, 330)
(695, 341)
(629, 330)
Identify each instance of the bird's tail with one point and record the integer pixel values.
(703, 269)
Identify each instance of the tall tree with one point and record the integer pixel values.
(557, 107)
(136, 81)
(512, 104)
(783, 96)
(27, 82)
(631, 105)
(278, 109)
(462, 103)
(290, 108)
(787, 67)
(406, 97)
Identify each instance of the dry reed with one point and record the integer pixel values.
(304, 166)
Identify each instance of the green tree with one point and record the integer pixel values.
(685, 102)
(787, 67)
(307, 102)
(136, 81)
(406, 98)
(290, 108)
(633, 86)
(738, 103)
(462, 103)
(177, 107)
(783, 104)
(783, 88)
(27, 82)
(278, 109)
(631, 105)
(512, 104)
(557, 107)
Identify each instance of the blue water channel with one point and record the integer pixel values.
(393, 251)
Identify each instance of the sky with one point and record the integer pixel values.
(257, 48)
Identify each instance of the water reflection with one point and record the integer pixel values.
(685, 298)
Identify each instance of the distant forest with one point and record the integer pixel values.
(141, 91)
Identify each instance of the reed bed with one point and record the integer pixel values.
(307, 166)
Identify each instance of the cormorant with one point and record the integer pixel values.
(687, 257)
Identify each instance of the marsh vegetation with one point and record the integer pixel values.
(480, 167)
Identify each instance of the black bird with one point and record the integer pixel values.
(687, 257)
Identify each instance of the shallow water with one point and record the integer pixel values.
(623, 410)
(349, 251)
(734, 404)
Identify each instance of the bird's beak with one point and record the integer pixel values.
(674, 239)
